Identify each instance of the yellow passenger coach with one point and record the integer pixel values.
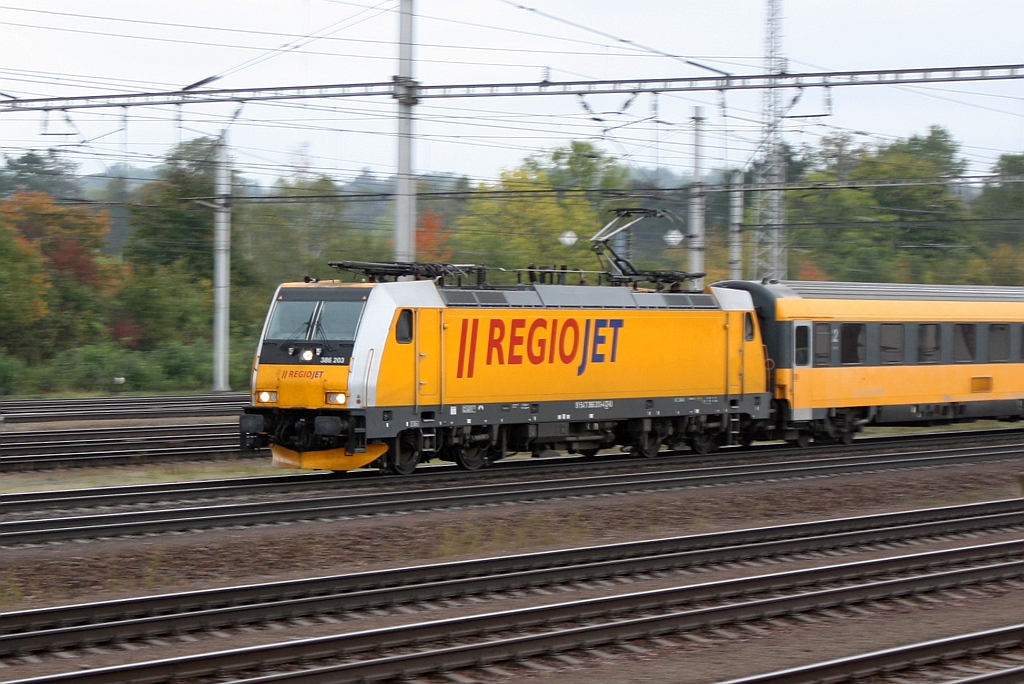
(847, 355)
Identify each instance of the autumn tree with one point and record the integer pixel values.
(69, 241)
(24, 289)
(432, 237)
(541, 199)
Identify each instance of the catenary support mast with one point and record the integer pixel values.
(696, 245)
(221, 267)
(735, 227)
(405, 93)
(770, 254)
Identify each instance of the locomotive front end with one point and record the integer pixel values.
(301, 405)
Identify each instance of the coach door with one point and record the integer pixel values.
(428, 356)
(802, 362)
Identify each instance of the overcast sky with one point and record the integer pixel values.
(62, 47)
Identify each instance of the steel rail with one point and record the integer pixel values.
(612, 620)
(204, 517)
(562, 464)
(892, 660)
(89, 624)
(24, 411)
(742, 544)
(115, 446)
(59, 441)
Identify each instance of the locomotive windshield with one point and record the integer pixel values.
(316, 315)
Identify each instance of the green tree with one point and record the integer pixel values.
(909, 232)
(169, 228)
(523, 226)
(34, 172)
(163, 304)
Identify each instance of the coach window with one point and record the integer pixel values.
(853, 341)
(403, 331)
(891, 343)
(822, 344)
(998, 342)
(748, 327)
(928, 348)
(802, 347)
(964, 343)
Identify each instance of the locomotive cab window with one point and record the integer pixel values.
(964, 343)
(802, 345)
(891, 343)
(929, 349)
(291, 320)
(748, 327)
(998, 342)
(403, 330)
(338, 321)
(853, 342)
(822, 344)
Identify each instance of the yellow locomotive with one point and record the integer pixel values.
(422, 367)
(394, 372)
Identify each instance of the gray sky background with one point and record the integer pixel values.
(69, 48)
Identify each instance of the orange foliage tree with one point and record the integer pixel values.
(432, 237)
(81, 281)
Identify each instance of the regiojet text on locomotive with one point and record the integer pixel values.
(538, 341)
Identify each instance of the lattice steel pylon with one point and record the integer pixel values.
(769, 259)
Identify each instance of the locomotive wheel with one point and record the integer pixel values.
(589, 453)
(647, 446)
(471, 458)
(405, 458)
(703, 443)
(846, 437)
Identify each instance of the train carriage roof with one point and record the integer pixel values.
(793, 300)
(901, 291)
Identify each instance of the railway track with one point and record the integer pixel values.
(39, 410)
(540, 631)
(146, 617)
(996, 655)
(117, 446)
(445, 474)
(51, 449)
(57, 529)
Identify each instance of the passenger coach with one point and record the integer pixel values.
(850, 354)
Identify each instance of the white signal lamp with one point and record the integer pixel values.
(673, 238)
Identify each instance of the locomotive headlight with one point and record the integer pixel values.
(266, 397)
(306, 355)
(336, 397)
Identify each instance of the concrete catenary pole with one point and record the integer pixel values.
(221, 267)
(735, 226)
(405, 93)
(697, 203)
